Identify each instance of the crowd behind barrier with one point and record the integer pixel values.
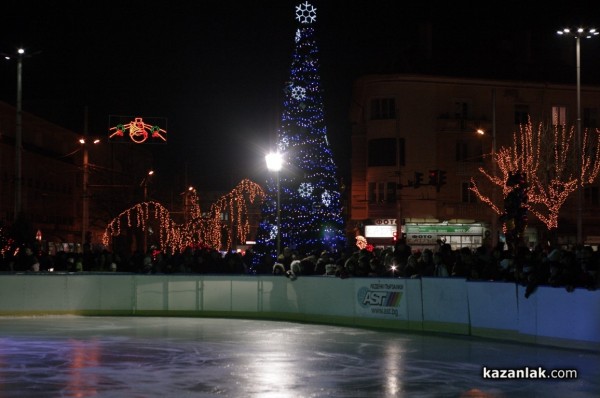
(547, 266)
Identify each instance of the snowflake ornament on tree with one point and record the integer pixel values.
(273, 233)
(306, 13)
(298, 93)
(305, 189)
(326, 198)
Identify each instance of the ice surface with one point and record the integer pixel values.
(74, 356)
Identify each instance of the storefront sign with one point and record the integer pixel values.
(385, 221)
(380, 231)
(445, 229)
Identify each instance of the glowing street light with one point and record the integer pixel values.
(85, 214)
(578, 34)
(493, 154)
(275, 163)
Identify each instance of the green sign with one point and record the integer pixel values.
(443, 229)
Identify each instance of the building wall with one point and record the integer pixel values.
(431, 115)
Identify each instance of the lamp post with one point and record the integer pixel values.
(18, 132)
(85, 213)
(19, 136)
(145, 186)
(275, 163)
(493, 154)
(578, 34)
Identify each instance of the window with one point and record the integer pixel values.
(467, 195)
(590, 117)
(559, 115)
(382, 192)
(521, 114)
(383, 108)
(385, 151)
(590, 195)
(468, 151)
(462, 109)
(390, 195)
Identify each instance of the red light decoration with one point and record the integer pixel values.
(546, 155)
(139, 131)
(208, 231)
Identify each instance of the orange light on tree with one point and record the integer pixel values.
(548, 158)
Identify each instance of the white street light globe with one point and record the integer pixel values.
(274, 161)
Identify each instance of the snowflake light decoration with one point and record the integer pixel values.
(326, 198)
(305, 189)
(273, 233)
(306, 13)
(298, 93)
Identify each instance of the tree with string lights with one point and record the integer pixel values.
(547, 158)
(308, 187)
(200, 229)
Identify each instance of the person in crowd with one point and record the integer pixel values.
(425, 265)
(439, 268)
(278, 269)
(402, 251)
(376, 268)
(463, 263)
(411, 270)
(286, 258)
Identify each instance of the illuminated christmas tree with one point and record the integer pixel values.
(309, 189)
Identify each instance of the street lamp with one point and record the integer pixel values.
(85, 214)
(578, 34)
(144, 183)
(275, 163)
(482, 132)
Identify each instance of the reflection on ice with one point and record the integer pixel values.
(147, 357)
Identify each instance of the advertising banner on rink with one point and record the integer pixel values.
(381, 298)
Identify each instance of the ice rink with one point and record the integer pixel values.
(71, 356)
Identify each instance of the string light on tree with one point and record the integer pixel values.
(548, 158)
(207, 231)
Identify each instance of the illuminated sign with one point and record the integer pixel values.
(151, 130)
(380, 231)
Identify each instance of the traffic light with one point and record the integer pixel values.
(434, 177)
(418, 179)
(441, 179)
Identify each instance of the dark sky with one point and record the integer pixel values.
(216, 69)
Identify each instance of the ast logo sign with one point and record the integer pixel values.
(381, 298)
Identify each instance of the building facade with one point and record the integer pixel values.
(415, 149)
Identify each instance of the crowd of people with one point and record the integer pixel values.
(541, 266)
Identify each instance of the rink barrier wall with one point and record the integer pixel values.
(550, 316)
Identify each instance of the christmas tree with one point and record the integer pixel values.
(307, 184)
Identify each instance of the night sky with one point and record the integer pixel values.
(216, 69)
